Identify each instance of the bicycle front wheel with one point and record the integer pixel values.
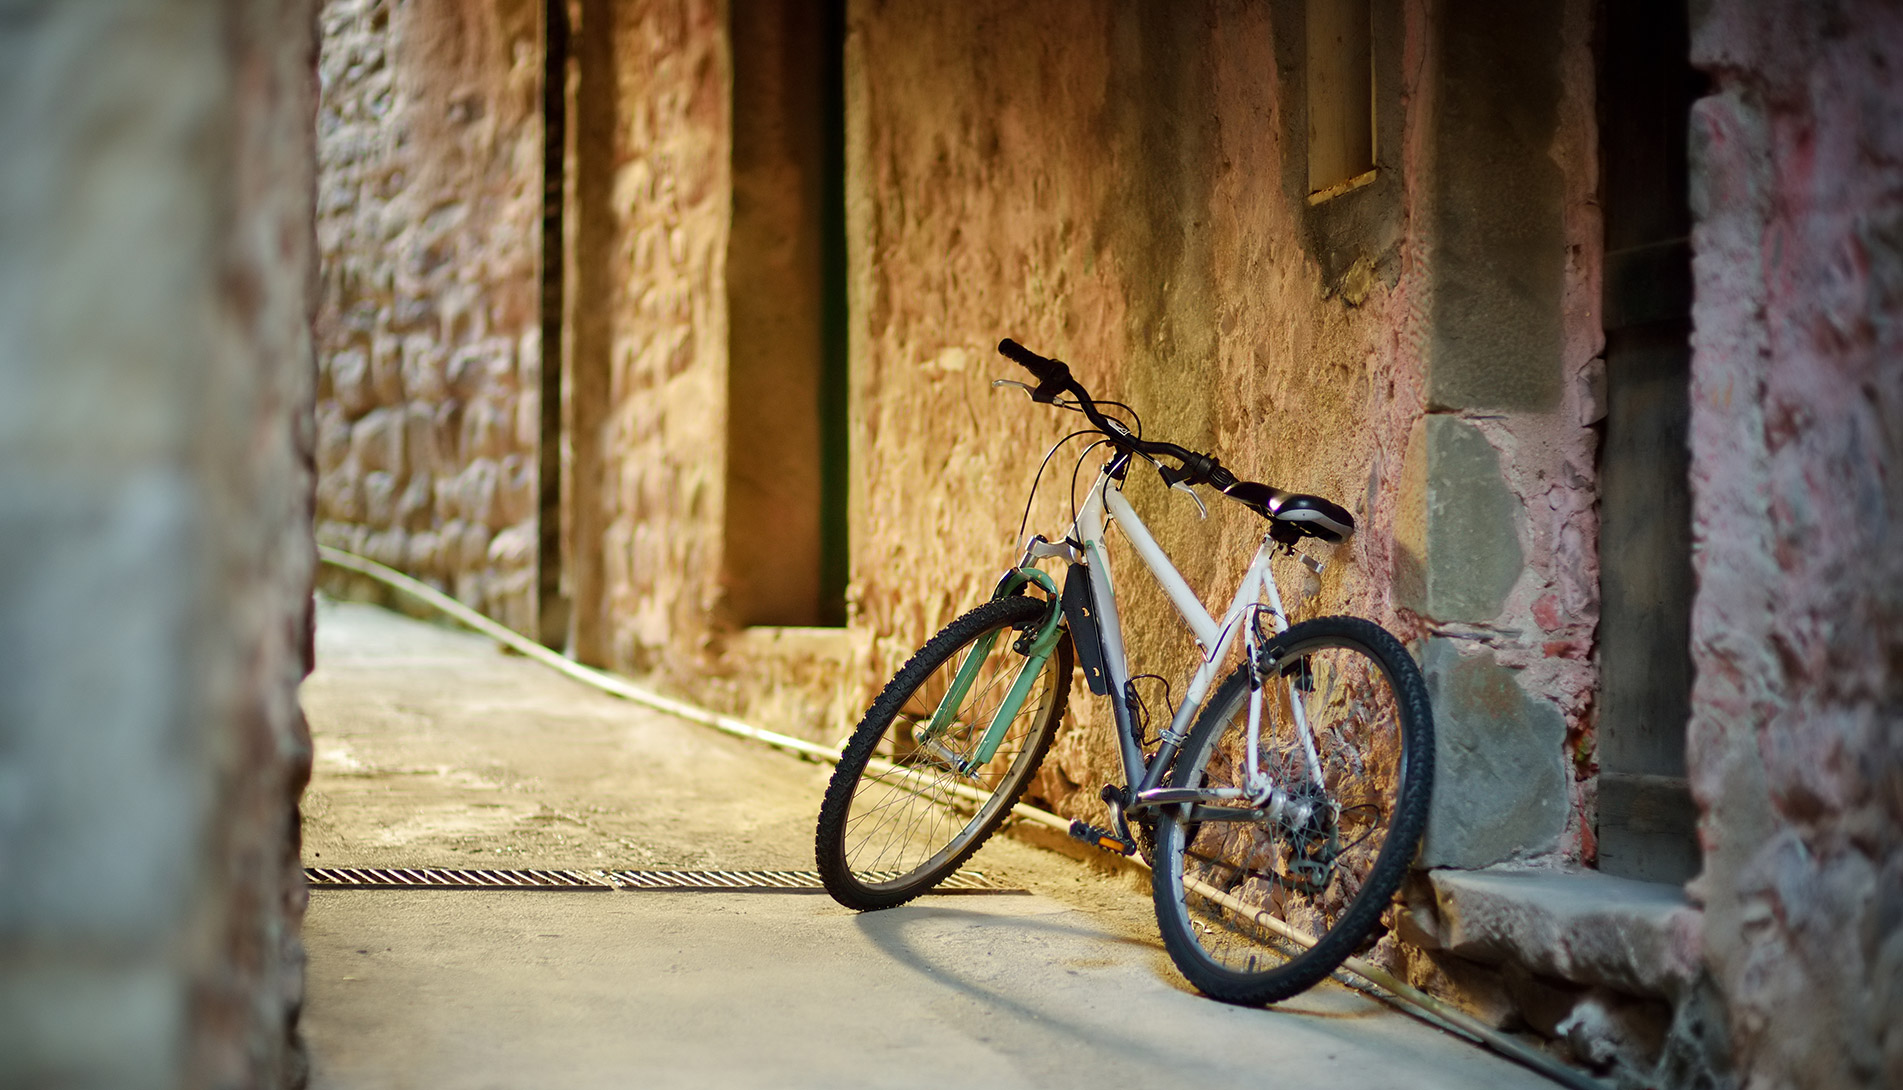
(909, 802)
(1265, 888)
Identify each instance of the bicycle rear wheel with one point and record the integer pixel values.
(1259, 902)
(904, 808)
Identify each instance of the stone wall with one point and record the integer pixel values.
(429, 357)
(1795, 753)
(1041, 183)
(155, 540)
(648, 380)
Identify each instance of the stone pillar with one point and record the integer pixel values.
(1495, 379)
(155, 541)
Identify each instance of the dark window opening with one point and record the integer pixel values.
(1341, 127)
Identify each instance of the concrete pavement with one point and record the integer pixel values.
(434, 749)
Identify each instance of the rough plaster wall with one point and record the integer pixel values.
(1104, 185)
(1795, 752)
(663, 431)
(430, 190)
(155, 484)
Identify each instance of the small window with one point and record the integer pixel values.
(1340, 97)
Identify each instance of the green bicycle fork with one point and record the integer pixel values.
(1039, 653)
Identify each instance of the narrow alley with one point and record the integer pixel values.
(434, 749)
(681, 346)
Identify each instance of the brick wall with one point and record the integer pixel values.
(429, 205)
(1798, 484)
(155, 541)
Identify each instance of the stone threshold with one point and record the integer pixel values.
(1587, 928)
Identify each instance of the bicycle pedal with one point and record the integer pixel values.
(1102, 838)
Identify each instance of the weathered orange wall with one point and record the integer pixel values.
(1105, 184)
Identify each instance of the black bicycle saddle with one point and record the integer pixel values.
(1311, 515)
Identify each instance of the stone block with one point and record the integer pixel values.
(419, 440)
(480, 486)
(472, 549)
(517, 496)
(333, 436)
(386, 369)
(514, 548)
(1587, 928)
(1494, 204)
(1500, 787)
(425, 371)
(425, 555)
(447, 428)
(417, 504)
(350, 381)
(339, 494)
(377, 441)
(380, 498)
(1457, 532)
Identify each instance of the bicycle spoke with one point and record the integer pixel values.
(1232, 896)
(903, 808)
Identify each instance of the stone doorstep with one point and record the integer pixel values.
(1640, 938)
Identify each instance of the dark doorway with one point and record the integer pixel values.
(786, 272)
(1646, 88)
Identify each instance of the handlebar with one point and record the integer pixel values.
(1054, 378)
(1294, 515)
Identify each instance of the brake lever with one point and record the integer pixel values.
(1183, 487)
(1029, 391)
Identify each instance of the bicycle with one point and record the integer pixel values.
(1279, 816)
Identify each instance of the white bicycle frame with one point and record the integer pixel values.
(1213, 639)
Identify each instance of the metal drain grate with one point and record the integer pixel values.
(433, 878)
(773, 881)
(654, 881)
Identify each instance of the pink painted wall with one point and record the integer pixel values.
(1796, 739)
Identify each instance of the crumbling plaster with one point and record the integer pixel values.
(1797, 630)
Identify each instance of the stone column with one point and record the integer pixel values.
(155, 542)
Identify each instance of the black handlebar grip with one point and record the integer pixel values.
(1024, 358)
(1053, 376)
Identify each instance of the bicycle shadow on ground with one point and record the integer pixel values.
(1107, 991)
